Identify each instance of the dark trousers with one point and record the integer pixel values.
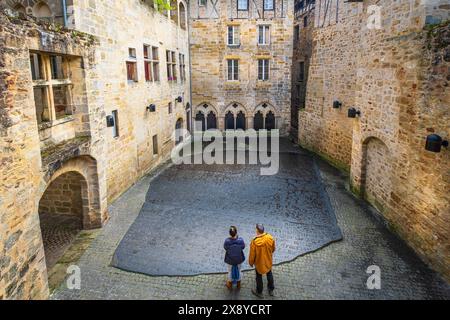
(259, 281)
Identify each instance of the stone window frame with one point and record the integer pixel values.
(43, 78)
(233, 34)
(182, 62)
(273, 5)
(240, 9)
(234, 69)
(266, 34)
(131, 66)
(171, 65)
(155, 145)
(263, 69)
(151, 63)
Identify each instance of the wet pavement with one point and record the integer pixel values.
(189, 208)
(336, 271)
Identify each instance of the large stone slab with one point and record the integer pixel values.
(189, 208)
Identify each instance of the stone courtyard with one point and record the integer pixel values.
(337, 271)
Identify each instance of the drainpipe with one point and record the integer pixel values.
(188, 23)
(64, 7)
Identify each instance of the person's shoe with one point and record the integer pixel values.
(229, 285)
(256, 293)
(271, 293)
(238, 285)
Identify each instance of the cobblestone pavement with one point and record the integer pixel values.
(189, 208)
(58, 233)
(337, 271)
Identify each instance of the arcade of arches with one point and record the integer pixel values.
(235, 118)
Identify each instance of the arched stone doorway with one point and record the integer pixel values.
(240, 121)
(376, 173)
(200, 118)
(258, 121)
(270, 121)
(63, 210)
(188, 117)
(211, 120)
(178, 131)
(229, 121)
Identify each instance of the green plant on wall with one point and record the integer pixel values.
(163, 5)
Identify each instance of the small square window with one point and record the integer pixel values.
(202, 3)
(132, 53)
(242, 5)
(269, 5)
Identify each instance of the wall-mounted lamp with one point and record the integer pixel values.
(151, 108)
(110, 121)
(352, 113)
(435, 143)
(179, 99)
(337, 104)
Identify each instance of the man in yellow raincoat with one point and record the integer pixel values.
(262, 248)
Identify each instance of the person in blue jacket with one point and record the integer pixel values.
(234, 256)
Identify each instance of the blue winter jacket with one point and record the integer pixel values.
(234, 248)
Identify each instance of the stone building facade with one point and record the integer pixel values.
(302, 50)
(241, 59)
(85, 111)
(389, 60)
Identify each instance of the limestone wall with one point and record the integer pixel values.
(24, 178)
(397, 77)
(210, 52)
(120, 25)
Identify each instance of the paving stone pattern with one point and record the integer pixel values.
(337, 271)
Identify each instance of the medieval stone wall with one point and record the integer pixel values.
(120, 25)
(302, 51)
(397, 77)
(211, 90)
(23, 272)
(35, 155)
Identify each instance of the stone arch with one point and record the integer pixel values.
(241, 120)
(235, 108)
(179, 134)
(63, 210)
(42, 10)
(206, 108)
(200, 117)
(20, 8)
(376, 172)
(86, 166)
(229, 121)
(211, 120)
(264, 107)
(182, 15)
(258, 121)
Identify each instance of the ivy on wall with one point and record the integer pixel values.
(162, 5)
